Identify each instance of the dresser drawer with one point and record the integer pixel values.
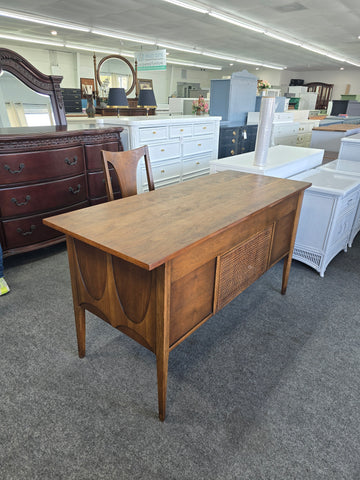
(30, 230)
(164, 151)
(204, 128)
(96, 184)
(349, 202)
(164, 173)
(93, 154)
(193, 147)
(195, 165)
(43, 196)
(153, 134)
(35, 166)
(181, 131)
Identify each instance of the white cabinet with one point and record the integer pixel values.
(329, 137)
(303, 138)
(180, 148)
(285, 133)
(327, 217)
(350, 148)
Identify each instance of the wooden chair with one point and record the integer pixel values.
(125, 166)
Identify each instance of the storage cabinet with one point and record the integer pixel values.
(235, 140)
(72, 100)
(46, 171)
(180, 148)
(327, 219)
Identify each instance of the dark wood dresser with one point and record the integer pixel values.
(45, 171)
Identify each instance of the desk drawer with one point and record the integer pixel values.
(35, 166)
(96, 184)
(194, 147)
(43, 196)
(153, 134)
(93, 154)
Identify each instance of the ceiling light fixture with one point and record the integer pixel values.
(91, 49)
(218, 55)
(283, 39)
(195, 65)
(180, 49)
(234, 21)
(121, 36)
(31, 40)
(189, 6)
(43, 21)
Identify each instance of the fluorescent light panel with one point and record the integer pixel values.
(189, 6)
(43, 21)
(180, 49)
(196, 65)
(121, 36)
(91, 49)
(31, 40)
(234, 21)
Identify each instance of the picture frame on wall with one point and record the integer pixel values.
(145, 84)
(87, 86)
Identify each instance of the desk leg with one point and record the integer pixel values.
(288, 258)
(79, 312)
(162, 335)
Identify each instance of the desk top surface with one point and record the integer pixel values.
(151, 228)
(338, 127)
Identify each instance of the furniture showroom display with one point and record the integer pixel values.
(329, 137)
(282, 161)
(48, 170)
(348, 168)
(180, 147)
(134, 261)
(350, 147)
(327, 217)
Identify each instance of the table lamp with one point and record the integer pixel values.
(147, 99)
(117, 99)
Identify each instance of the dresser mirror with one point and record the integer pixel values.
(115, 71)
(28, 97)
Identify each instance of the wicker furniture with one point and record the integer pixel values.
(184, 251)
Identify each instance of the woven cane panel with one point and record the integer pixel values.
(241, 266)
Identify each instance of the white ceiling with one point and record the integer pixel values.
(333, 25)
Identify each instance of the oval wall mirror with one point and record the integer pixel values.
(115, 71)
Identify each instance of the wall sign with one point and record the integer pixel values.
(154, 60)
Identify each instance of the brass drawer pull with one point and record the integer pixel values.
(233, 140)
(162, 171)
(181, 129)
(21, 231)
(20, 204)
(162, 150)
(21, 168)
(197, 163)
(204, 128)
(75, 191)
(199, 144)
(232, 152)
(234, 133)
(154, 133)
(71, 162)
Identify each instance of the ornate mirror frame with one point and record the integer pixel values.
(49, 85)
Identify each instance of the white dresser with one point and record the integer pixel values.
(180, 147)
(282, 161)
(327, 217)
(350, 147)
(329, 137)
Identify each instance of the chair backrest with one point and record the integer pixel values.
(125, 165)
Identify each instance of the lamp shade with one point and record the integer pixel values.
(147, 98)
(117, 98)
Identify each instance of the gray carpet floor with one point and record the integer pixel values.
(268, 389)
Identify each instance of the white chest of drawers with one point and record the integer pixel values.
(180, 147)
(350, 147)
(327, 217)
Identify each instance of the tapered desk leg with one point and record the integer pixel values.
(288, 258)
(78, 311)
(162, 334)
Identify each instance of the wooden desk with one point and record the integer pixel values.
(158, 265)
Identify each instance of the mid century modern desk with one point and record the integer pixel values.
(158, 265)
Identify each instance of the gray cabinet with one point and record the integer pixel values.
(233, 98)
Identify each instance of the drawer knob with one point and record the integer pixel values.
(71, 162)
(233, 140)
(154, 133)
(199, 144)
(232, 152)
(181, 129)
(20, 204)
(162, 150)
(21, 231)
(234, 133)
(204, 128)
(21, 168)
(197, 163)
(162, 171)
(76, 190)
